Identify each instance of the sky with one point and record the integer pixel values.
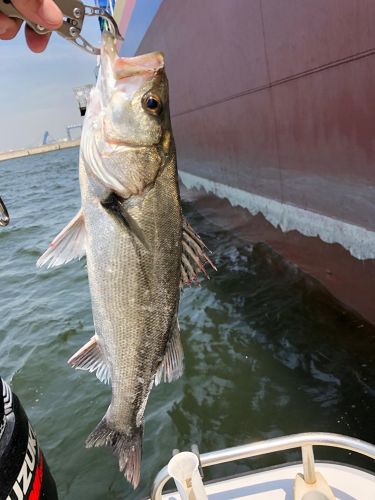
(37, 90)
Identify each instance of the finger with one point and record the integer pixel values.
(9, 27)
(43, 12)
(35, 42)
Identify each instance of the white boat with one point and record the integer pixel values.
(308, 480)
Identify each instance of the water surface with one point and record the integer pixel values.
(266, 353)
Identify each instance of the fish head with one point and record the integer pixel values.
(127, 133)
(134, 91)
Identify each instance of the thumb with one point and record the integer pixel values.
(43, 12)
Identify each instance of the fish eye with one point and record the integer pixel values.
(152, 104)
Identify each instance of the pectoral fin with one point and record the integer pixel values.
(194, 256)
(90, 357)
(115, 205)
(172, 366)
(69, 244)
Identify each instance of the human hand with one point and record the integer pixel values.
(43, 12)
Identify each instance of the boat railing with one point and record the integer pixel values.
(306, 441)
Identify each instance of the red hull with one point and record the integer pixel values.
(277, 99)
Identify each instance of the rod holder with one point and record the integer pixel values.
(184, 469)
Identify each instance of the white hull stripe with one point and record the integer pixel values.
(359, 241)
(8, 399)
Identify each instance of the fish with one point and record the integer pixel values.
(139, 248)
(4, 216)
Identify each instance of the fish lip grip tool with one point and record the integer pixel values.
(74, 12)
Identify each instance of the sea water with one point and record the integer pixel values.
(266, 353)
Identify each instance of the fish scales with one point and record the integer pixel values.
(142, 283)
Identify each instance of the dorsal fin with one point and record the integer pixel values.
(194, 256)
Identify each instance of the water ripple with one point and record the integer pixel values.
(266, 352)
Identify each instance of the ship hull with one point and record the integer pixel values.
(273, 105)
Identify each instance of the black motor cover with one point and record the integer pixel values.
(24, 473)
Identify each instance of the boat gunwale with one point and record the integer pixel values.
(283, 443)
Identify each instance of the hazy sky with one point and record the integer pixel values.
(37, 88)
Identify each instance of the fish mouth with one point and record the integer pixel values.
(123, 76)
(143, 65)
(126, 67)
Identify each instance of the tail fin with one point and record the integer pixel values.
(128, 449)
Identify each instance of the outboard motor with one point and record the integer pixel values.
(24, 473)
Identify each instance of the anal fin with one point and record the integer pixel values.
(172, 366)
(194, 256)
(90, 357)
(69, 244)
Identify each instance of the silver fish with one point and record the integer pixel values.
(139, 248)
